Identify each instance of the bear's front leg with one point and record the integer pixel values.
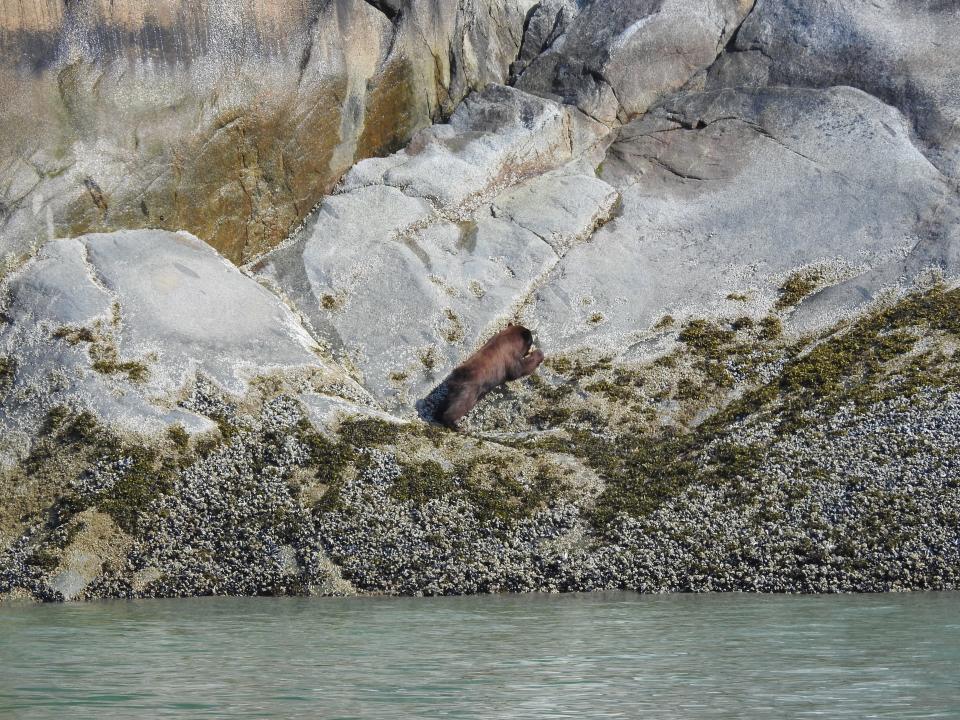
(526, 365)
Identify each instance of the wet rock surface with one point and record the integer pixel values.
(732, 227)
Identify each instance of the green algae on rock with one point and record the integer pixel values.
(869, 362)
(797, 287)
(575, 506)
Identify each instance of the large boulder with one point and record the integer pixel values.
(616, 58)
(229, 121)
(124, 324)
(907, 53)
(726, 194)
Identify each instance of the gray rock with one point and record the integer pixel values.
(557, 207)
(616, 58)
(627, 177)
(123, 323)
(224, 119)
(732, 191)
(68, 583)
(424, 254)
(906, 53)
(546, 23)
(494, 139)
(934, 258)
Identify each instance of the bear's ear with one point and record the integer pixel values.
(510, 324)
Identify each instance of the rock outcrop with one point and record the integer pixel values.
(734, 229)
(616, 58)
(725, 194)
(125, 324)
(229, 121)
(454, 233)
(907, 54)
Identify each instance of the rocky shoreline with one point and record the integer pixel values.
(741, 263)
(861, 495)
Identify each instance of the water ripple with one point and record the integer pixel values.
(613, 655)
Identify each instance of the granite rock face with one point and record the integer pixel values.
(727, 193)
(905, 53)
(705, 206)
(616, 58)
(734, 229)
(124, 324)
(230, 121)
(423, 254)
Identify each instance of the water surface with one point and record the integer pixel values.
(614, 655)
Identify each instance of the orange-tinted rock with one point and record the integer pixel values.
(228, 121)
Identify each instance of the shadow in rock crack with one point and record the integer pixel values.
(429, 406)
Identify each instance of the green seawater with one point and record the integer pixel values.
(612, 655)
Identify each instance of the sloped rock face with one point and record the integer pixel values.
(124, 323)
(905, 53)
(453, 233)
(616, 58)
(727, 193)
(737, 246)
(228, 122)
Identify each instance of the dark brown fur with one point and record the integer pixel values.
(505, 356)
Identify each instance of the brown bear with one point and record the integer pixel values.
(505, 356)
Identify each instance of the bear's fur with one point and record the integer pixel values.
(505, 356)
